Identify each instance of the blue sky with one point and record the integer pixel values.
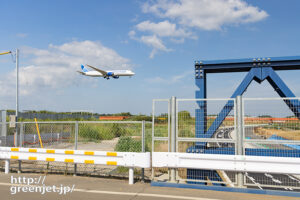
(158, 40)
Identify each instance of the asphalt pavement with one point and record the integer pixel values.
(283, 182)
(100, 188)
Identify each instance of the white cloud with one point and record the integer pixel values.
(154, 42)
(172, 80)
(150, 40)
(183, 17)
(131, 34)
(163, 29)
(56, 66)
(159, 30)
(206, 14)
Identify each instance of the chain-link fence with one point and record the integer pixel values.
(121, 136)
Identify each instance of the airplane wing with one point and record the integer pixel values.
(80, 72)
(99, 70)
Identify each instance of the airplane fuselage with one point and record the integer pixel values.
(110, 73)
(105, 74)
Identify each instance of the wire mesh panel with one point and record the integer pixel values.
(160, 123)
(206, 126)
(161, 173)
(272, 128)
(161, 134)
(272, 120)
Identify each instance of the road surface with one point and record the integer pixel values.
(260, 180)
(93, 188)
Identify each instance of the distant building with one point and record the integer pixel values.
(113, 117)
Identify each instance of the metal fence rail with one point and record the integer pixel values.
(240, 163)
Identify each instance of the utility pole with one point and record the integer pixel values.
(17, 88)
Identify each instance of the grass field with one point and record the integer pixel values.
(287, 134)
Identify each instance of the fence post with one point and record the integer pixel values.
(143, 147)
(7, 162)
(76, 144)
(239, 136)
(173, 135)
(57, 138)
(21, 134)
(3, 131)
(131, 175)
(21, 144)
(152, 135)
(3, 122)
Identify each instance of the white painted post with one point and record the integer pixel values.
(7, 162)
(21, 145)
(75, 146)
(239, 137)
(3, 123)
(143, 147)
(20, 167)
(173, 136)
(21, 139)
(131, 175)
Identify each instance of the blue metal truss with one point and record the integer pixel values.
(258, 74)
(258, 70)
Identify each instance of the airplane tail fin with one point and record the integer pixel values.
(83, 69)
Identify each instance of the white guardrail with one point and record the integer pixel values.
(281, 165)
(132, 160)
(126, 159)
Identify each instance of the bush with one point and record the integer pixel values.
(98, 132)
(185, 115)
(105, 133)
(128, 144)
(117, 131)
(89, 132)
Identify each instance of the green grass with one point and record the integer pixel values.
(98, 132)
(128, 144)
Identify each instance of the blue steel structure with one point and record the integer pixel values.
(259, 69)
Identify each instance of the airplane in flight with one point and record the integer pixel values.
(105, 74)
